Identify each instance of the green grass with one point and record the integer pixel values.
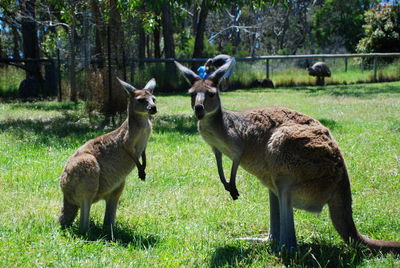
(10, 78)
(181, 216)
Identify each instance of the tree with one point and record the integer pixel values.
(338, 23)
(33, 84)
(382, 30)
(168, 33)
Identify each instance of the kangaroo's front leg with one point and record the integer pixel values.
(232, 181)
(231, 186)
(141, 168)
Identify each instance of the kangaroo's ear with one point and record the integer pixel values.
(189, 75)
(151, 85)
(128, 88)
(220, 72)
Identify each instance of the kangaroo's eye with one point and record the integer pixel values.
(211, 94)
(154, 100)
(142, 100)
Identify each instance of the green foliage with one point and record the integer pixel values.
(382, 30)
(181, 216)
(185, 45)
(339, 22)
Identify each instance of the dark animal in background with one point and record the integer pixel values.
(320, 70)
(292, 154)
(97, 170)
(264, 83)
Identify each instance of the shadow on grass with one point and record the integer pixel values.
(51, 130)
(182, 124)
(356, 90)
(69, 128)
(46, 105)
(123, 236)
(308, 255)
(366, 90)
(230, 256)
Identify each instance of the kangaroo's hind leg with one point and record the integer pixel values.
(287, 234)
(274, 218)
(86, 204)
(111, 209)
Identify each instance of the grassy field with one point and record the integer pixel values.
(181, 216)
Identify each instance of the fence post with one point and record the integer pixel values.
(267, 67)
(375, 69)
(345, 64)
(59, 75)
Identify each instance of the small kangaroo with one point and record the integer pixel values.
(97, 170)
(292, 154)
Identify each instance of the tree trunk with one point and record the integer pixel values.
(106, 92)
(100, 34)
(156, 40)
(168, 33)
(236, 12)
(34, 80)
(72, 60)
(141, 44)
(118, 100)
(200, 29)
(169, 45)
(148, 46)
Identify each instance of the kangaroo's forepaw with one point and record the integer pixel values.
(234, 193)
(142, 175)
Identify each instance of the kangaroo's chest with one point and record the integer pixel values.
(140, 141)
(117, 163)
(228, 142)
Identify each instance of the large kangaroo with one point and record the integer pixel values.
(97, 170)
(291, 153)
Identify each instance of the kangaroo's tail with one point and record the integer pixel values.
(342, 217)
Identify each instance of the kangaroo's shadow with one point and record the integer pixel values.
(123, 235)
(316, 254)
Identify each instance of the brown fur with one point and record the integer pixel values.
(292, 154)
(97, 170)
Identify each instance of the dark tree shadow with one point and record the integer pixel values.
(318, 254)
(51, 131)
(123, 235)
(365, 90)
(356, 90)
(182, 124)
(47, 106)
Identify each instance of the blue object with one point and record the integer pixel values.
(202, 72)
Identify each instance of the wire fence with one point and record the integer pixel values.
(95, 75)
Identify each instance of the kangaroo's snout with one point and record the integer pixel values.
(152, 109)
(199, 111)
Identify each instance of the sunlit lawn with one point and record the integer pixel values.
(181, 216)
